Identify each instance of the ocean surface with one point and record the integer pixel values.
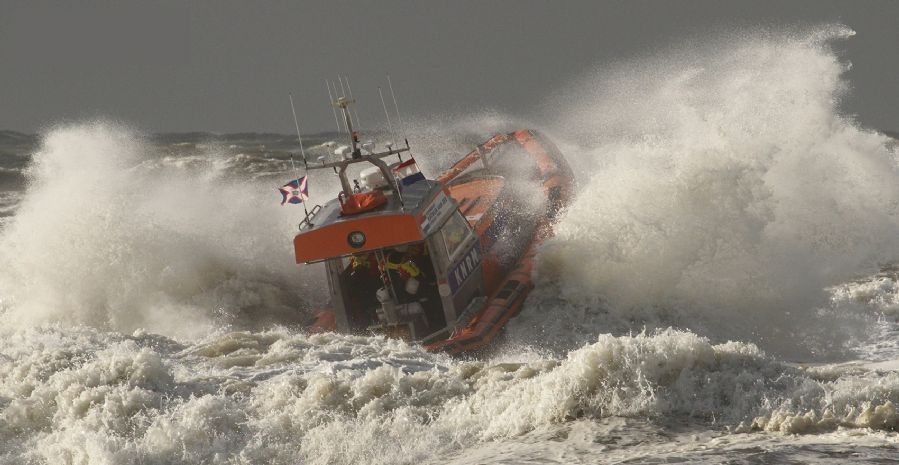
(723, 288)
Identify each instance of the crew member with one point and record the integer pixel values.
(404, 273)
(366, 263)
(364, 280)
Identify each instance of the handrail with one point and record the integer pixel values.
(307, 221)
(481, 152)
(359, 159)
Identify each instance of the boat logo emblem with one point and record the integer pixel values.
(356, 239)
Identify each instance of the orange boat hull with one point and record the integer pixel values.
(506, 289)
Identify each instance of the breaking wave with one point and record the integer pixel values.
(112, 235)
(282, 397)
(722, 193)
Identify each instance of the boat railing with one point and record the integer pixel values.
(307, 221)
(483, 152)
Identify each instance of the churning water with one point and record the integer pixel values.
(714, 292)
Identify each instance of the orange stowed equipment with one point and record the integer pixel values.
(361, 202)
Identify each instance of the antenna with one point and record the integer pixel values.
(334, 102)
(296, 123)
(331, 104)
(303, 152)
(384, 106)
(343, 94)
(342, 90)
(346, 126)
(399, 118)
(350, 89)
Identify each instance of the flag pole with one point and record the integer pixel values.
(302, 152)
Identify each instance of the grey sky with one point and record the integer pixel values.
(228, 66)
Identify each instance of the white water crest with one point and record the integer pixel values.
(698, 302)
(84, 396)
(114, 235)
(723, 191)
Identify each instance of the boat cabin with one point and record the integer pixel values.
(445, 262)
(401, 259)
(406, 265)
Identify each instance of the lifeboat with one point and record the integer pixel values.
(445, 262)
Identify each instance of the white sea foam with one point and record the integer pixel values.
(82, 395)
(724, 192)
(721, 189)
(108, 236)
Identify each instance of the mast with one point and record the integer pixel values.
(356, 156)
(344, 103)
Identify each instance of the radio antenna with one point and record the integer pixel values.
(398, 117)
(342, 90)
(337, 99)
(331, 104)
(386, 113)
(296, 172)
(343, 94)
(355, 113)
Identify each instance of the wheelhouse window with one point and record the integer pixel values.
(454, 232)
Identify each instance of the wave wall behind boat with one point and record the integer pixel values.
(723, 191)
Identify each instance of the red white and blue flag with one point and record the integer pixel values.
(407, 172)
(296, 191)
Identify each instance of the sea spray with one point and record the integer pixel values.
(725, 191)
(111, 235)
(687, 148)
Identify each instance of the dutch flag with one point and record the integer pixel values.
(407, 172)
